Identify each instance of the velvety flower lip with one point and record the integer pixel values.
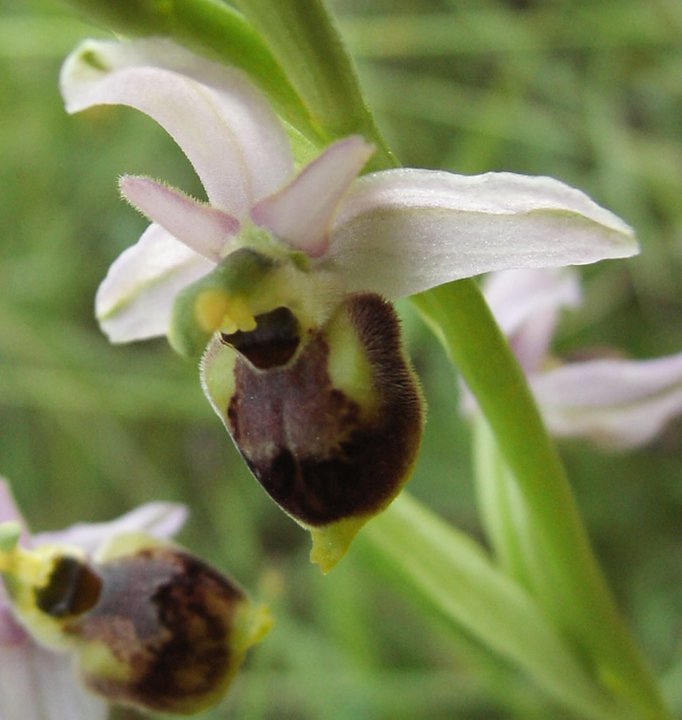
(40, 684)
(393, 233)
(617, 403)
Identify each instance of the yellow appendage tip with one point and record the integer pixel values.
(331, 542)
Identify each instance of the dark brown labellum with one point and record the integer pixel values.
(322, 450)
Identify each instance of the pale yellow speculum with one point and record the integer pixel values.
(218, 310)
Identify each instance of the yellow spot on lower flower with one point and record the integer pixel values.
(26, 572)
(217, 310)
(28, 567)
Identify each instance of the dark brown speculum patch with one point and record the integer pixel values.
(167, 617)
(273, 342)
(72, 589)
(311, 446)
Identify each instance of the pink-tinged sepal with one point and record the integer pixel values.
(328, 421)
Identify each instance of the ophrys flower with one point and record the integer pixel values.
(38, 683)
(286, 276)
(146, 623)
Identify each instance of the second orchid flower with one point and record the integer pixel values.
(616, 402)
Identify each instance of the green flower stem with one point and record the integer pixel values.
(212, 28)
(303, 37)
(516, 540)
(500, 507)
(455, 576)
(579, 601)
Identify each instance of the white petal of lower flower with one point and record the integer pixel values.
(136, 297)
(515, 296)
(203, 228)
(618, 403)
(301, 213)
(160, 520)
(526, 305)
(10, 632)
(221, 122)
(400, 232)
(36, 684)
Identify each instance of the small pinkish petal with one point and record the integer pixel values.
(618, 403)
(160, 520)
(400, 232)
(526, 305)
(302, 212)
(221, 122)
(204, 229)
(135, 299)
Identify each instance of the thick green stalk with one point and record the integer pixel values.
(580, 602)
(212, 28)
(500, 507)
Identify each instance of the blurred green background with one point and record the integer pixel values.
(589, 91)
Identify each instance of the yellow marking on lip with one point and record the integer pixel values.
(210, 308)
(239, 316)
(216, 310)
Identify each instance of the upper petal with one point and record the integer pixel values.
(136, 297)
(526, 305)
(618, 403)
(301, 213)
(160, 520)
(221, 122)
(400, 232)
(203, 228)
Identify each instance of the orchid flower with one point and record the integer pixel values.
(285, 275)
(617, 403)
(35, 682)
(145, 623)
